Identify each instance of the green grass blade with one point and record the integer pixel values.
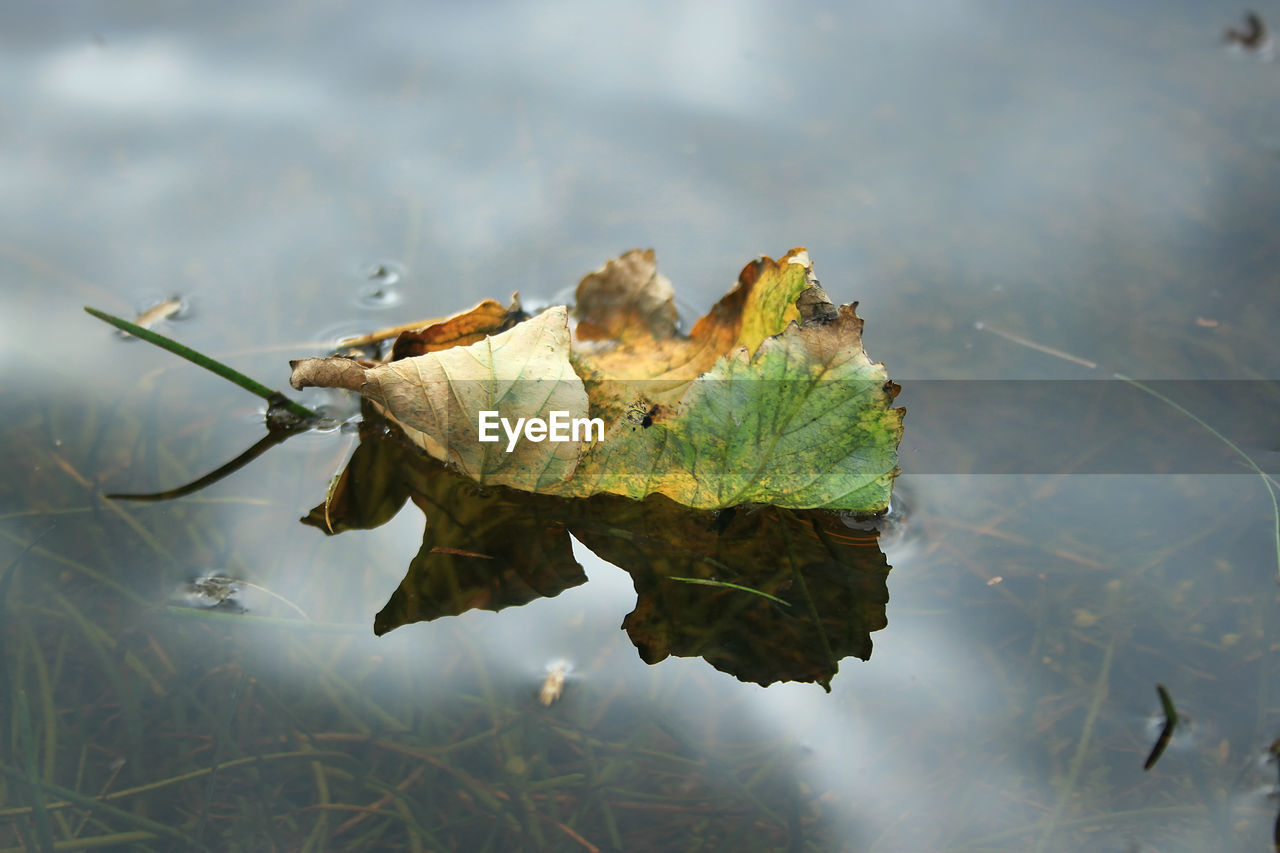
(44, 834)
(212, 365)
(728, 585)
(1266, 479)
(105, 811)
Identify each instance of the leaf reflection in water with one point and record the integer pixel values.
(776, 594)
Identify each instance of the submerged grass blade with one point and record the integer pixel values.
(728, 585)
(1267, 481)
(105, 810)
(1084, 742)
(1266, 478)
(44, 833)
(6, 580)
(259, 760)
(228, 373)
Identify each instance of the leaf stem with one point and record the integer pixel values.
(212, 365)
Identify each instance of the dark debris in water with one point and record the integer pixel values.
(1252, 38)
(207, 592)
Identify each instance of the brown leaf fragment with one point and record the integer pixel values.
(744, 316)
(626, 299)
(336, 372)
(815, 307)
(443, 399)
(636, 362)
(463, 329)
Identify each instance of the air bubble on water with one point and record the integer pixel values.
(380, 284)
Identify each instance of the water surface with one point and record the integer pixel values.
(1100, 181)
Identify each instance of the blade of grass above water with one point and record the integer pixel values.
(210, 364)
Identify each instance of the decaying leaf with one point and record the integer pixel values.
(626, 300)
(805, 422)
(643, 359)
(437, 398)
(487, 318)
(769, 399)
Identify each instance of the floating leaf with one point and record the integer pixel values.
(769, 399)
(805, 422)
(626, 349)
(437, 398)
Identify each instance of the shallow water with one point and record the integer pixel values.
(1101, 182)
